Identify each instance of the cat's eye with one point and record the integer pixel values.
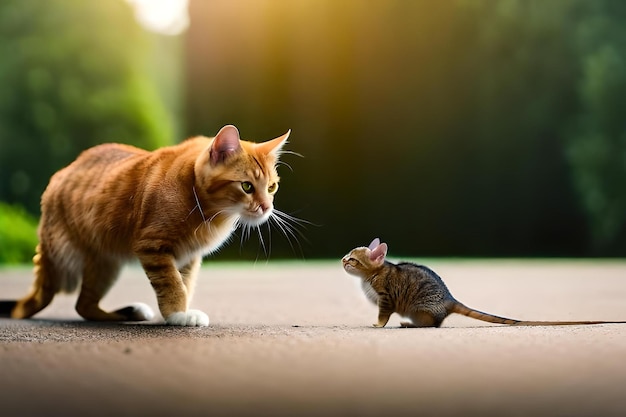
(247, 187)
(353, 261)
(272, 188)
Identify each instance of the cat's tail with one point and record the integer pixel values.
(460, 308)
(41, 294)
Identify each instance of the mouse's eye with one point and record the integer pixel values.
(247, 187)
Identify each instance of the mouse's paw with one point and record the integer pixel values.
(188, 318)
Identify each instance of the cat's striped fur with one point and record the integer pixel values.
(168, 208)
(417, 292)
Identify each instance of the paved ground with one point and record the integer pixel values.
(290, 339)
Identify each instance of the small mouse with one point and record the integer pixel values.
(416, 292)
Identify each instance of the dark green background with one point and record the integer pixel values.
(446, 128)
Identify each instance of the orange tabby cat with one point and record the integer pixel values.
(167, 208)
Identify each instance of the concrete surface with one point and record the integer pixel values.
(294, 339)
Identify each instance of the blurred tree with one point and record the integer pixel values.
(72, 75)
(438, 126)
(18, 235)
(519, 190)
(597, 135)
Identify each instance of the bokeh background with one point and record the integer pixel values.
(446, 128)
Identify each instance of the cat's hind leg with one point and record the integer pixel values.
(422, 319)
(98, 276)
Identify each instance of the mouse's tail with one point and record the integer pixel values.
(460, 308)
(565, 323)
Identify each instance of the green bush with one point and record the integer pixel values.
(74, 74)
(18, 235)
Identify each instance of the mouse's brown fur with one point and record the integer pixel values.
(416, 292)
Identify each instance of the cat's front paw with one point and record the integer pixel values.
(378, 326)
(188, 318)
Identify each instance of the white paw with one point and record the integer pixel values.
(142, 311)
(135, 312)
(188, 318)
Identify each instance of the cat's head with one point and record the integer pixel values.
(364, 261)
(239, 178)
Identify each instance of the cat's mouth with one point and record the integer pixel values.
(346, 265)
(256, 216)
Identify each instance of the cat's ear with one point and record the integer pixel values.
(225, 144)
(374, 244)
(377, 255)
(273, 146)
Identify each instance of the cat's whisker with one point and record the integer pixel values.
(269, 240)
(285, 230)
(269, 235)
(289, 227)
(195, 231)
(283, 226)
(293, 223)
(298, 221)
(191, 211)
(208, 222)
(286, 152)
(205, 222)
(262, 242)
(248, 231)
(237, 222)
(244, 233)
(198, 206)
(285, 164)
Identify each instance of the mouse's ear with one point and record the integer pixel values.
(374, 244)
(377, 255)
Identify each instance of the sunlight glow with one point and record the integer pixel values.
(167, 17)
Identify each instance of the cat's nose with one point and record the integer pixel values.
(264, 207)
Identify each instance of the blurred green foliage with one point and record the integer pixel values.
(597, 140)
(455, 128)
(461, 127)
(18, 235)
(72, 75)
